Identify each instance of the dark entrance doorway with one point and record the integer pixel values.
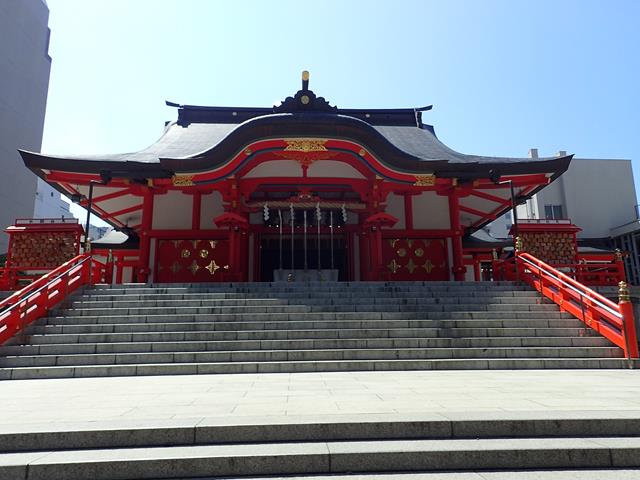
(270, 254)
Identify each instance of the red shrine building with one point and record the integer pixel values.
(300, 191)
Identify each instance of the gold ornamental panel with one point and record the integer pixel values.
(306, 145)
(425, 181)
(182, 180)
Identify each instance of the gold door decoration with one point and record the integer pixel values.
(416, 259)
(192, 260)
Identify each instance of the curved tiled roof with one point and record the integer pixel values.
(206, 137)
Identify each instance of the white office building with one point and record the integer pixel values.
(597, 195)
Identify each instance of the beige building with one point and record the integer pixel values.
(24, 80)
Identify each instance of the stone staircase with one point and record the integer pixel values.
(307, 327)
(602, 446)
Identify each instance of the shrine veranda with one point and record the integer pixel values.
(303, 190)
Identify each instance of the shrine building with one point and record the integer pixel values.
(300, 191)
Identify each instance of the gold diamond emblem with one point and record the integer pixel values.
(411, 266)
(394, 266)
(212, 267)
(194, 267)
(428, 266)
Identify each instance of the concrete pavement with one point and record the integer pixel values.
(308, 394)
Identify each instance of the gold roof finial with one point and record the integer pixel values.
(305, 80)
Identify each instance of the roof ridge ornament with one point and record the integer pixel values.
(304, 101)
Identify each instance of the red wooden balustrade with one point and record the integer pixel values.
(611, 320)
(36, 299)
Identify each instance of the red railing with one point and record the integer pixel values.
(611, 320)
(36, 299)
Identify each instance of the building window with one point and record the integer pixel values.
(553, 212)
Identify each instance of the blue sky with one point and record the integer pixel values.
(503, 76)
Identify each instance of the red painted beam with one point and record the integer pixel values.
(475, 212)
(108, 196)
(134, 208)
(487, 196)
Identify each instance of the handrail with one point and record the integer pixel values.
(35, 300)
(45, 285)
(586, 273)
(613, 321)
(591, 294)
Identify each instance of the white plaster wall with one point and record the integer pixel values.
(172, 211)
(331, 168)
(430, 211)
(210, 208)
(395, 207)
(276, 168)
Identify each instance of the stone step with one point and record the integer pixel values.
(324, 458)
(330, 300)
(358, 285)
(503, 474)
(203, 326)
(374, 308)
(310, 316)
(292, 355)
(280, 327)
(325, 333)
(91, 295)
(21, 437)
(302, 344)
(302, 291)
(18, 373)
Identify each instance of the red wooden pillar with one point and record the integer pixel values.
(257, 274)
(458, 268)
(365, 257)
(145, 241)
(238, 225)
(373, 226)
